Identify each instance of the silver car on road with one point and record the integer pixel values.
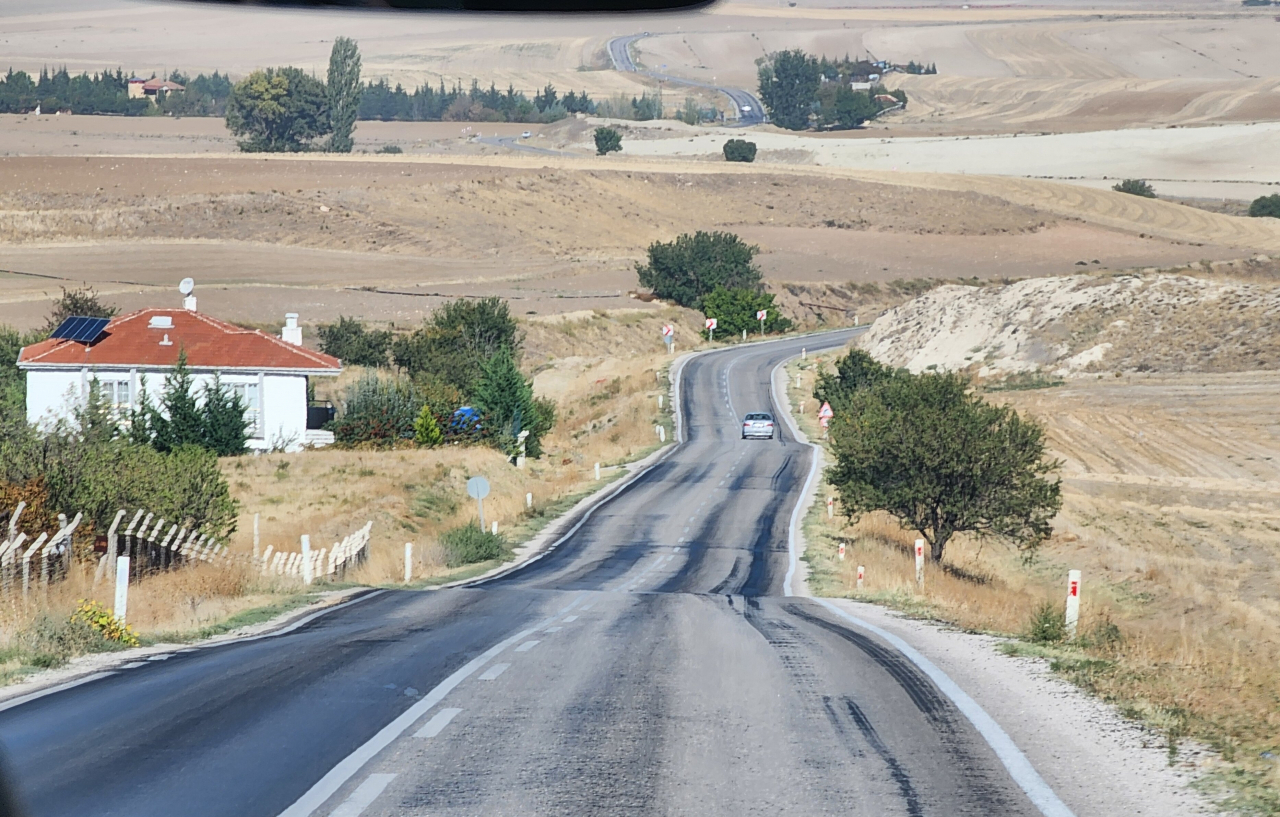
(758, 425)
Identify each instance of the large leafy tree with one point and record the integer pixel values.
(852, 108)
(942, 461)
(353, 343)
(278, 110)
(735, 310)
(344, 92)
(691, 267)
(608, 140)
(789, 83)
(454, 343)
(1265, 206)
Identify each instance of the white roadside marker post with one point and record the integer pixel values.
(804, 354)
(255, 536)
(306, 559)
(408, 562)
(842, 551)
(495, 527)
(831, 507)
(1073, 602)
(797, 380)
(528, 500)
(597, 471)
(122, 588)
(861, 573)
(662, 434)
(660, 396)
(920, 563)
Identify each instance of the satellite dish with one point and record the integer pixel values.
(187, 285)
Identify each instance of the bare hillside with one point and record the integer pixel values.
(1073, 325)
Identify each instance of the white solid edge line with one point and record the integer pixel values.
(363, 796)
(815, 455)
(1020, 768)
(347, 768)
(40, 693)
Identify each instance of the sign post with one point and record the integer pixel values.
(122, 588)
(711, 329)
(478, 489)
(669, 336)
(761, 314)
(920, 563)
(1073, 602)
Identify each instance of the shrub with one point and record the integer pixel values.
(378, 410)
(607, 141)
(426, 429)
(354, 344)
(735, 310)
(692, 266)
(1265, 206)
(1135, 187)
(454, 342)
(104, 623)
(390, 149)
(53, 640)
(739, 150)
(468, 544)
(1047, 625)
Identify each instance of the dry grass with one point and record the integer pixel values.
(1169, 511)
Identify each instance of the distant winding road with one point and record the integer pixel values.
(750, 111)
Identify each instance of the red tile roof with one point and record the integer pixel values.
(129, 340)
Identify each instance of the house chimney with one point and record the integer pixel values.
(291, 333)
(189, 303)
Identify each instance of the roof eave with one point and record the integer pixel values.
(319, 371)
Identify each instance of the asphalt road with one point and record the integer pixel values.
(648, 664)
(750, 111)
(518, 144)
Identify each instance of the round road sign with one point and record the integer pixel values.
(477, 487)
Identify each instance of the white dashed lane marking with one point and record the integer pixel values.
(493, 672)
(437, 724)
(553, 629)
(363, 796)
(526, 646)
(570, 619)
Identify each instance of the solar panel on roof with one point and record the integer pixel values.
(80, 328)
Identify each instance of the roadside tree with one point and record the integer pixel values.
(736, 309)
(1265, 206)
(278, 110)
(1135, 187)
(505, 396)
(607, 141)
(789, 83)
(942, 461)
(739, 150)
(691, 267)
(344, 91)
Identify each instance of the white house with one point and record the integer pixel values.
(136, 351)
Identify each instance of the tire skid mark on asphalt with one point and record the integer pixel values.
(899, 775)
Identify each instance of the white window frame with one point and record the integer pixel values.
(251, 395)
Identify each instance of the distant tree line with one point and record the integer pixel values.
(108, 93)
(801, 91)
(379, 100)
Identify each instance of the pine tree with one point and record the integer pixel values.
(426, 430)
(505, 397)
(181, 423)
(344, 92)
(223, 421)
(96, 420)
(142, 419)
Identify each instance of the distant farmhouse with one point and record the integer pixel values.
(151, 88)
(134, 352)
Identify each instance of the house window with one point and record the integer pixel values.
(117, 394)
(248, 394)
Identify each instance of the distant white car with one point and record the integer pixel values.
(758, 425)
(746, 107)
(526, 134)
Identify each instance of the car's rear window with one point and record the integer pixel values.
(759, 417)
